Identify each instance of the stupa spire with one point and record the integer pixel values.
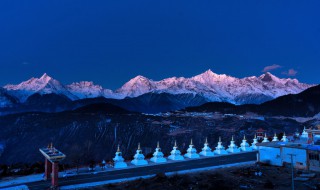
(206, 150)
(191, 152)
(275, 138)
(139, 148)
(219, 148)
(175, 153)
(139, 157)
(244, 146)
(284, 137)
(158, 155)
(232, 148)
(265, 139)
(255, 141)
(118, 159)
(304, 134)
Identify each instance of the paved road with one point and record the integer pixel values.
(149, 170)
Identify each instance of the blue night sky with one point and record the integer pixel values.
(109, 42)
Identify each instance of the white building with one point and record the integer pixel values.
(304, 151)
(279, 154)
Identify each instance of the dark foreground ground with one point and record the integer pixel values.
(224, 179)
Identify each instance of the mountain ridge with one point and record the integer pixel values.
(211, 86)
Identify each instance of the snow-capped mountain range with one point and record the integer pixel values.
(211, 86)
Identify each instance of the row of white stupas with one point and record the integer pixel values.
(139, 158)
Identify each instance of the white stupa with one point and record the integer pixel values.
(244, 146)
(284, 138)
(175, 153)
(158, 155)
(255, 141)
(275, 138)
(118, 160)
(220, 149)
(191, 152)
(206, 150)
(103, 164)
(304, 134)
(139, 158)
(232, 148)
(265, 139)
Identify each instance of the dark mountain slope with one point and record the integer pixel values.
(155, 103)
(103, 108)
(306, 103)
(147, 103)
(48, 102)
(6, 100)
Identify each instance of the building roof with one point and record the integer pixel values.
(314, 131)
(280, 144)
(52, 154)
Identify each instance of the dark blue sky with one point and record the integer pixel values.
(109, 42)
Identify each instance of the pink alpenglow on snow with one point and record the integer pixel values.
(211, 86)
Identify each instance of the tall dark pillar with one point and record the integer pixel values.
(55, 173)
(48, 169)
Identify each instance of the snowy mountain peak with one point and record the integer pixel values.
(43, 85)
(209, 78)
(137, 86)
(139, 79)
(268, 77)
(46, 77)
(208, 73)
